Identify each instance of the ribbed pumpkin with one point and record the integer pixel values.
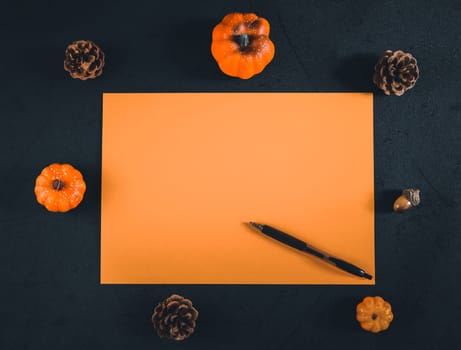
(241, 45)
(374, 314)
(60, 187)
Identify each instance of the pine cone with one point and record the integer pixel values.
(396, 72)
(174, 318)
(84, 60)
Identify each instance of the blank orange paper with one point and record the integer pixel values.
(183, 172)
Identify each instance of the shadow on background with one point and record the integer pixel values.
(384, 200)
(117, 66)
(135, 316)
(342, 314)
(190, 49)
(91, 203)
(356, 72)
(40, 62)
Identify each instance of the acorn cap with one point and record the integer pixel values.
(413, 196)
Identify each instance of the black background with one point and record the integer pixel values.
(50, 292)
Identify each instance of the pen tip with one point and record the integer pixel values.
(255, 225)
(367, 276)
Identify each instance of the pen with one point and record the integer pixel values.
(304, 247)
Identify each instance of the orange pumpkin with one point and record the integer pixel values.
(374, 314)
(60, 187)
(241, 45)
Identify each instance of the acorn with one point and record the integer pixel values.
(408, 199)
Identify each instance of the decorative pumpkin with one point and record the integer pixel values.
(374, 314)
(241, 45)
(60, 187)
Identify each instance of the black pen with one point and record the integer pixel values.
(304, 247)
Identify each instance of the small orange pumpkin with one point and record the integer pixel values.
(241, 45)
(374, 314)
(60, 187)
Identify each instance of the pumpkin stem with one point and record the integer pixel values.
(374, 316)
(58, 184)
(243, 40)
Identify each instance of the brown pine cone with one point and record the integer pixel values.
(84, 60)
(174, 318)
(396, 72)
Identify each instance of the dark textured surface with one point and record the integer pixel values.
(49, 263)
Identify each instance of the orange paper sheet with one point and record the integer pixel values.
(183, 172)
